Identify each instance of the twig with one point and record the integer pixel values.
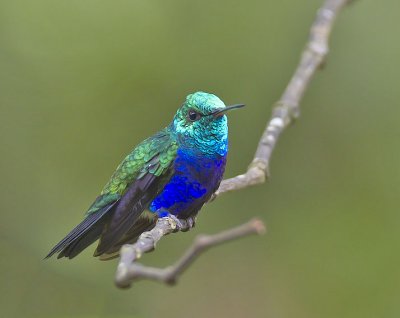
(127, 273)
(284, 112)
(287, 108)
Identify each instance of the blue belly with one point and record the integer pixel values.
(194, 181)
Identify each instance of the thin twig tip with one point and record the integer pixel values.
(259, 226)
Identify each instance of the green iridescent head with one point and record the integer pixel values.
(201, 124)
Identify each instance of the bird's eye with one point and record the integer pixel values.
(193, 115)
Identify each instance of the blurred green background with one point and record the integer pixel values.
(82, 82)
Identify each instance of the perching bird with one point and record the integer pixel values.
(174, 173)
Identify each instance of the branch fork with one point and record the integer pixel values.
(129, 271)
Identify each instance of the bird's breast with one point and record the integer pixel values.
(194, 180)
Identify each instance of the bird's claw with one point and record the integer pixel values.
(178, 222)
(183, 224)
(191, 221)
(188, 224)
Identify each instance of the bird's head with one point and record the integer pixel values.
(201, 122)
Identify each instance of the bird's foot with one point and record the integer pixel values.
(191, 222)
(180, 224)
(183, 225)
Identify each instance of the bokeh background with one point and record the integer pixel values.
(82, 82)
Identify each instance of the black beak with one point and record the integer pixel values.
(222, 111)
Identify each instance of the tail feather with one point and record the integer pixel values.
(82, 235)
(145, 223)
(128, 211)
(82, 242)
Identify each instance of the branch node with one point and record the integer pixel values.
(259, 167)
(170, 278)
(201, 241)
(286, 110)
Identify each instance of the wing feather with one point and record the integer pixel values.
(134, 184)
(154, 175)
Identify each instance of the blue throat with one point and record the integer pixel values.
(210, 140)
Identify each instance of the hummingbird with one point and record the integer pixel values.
(172, 173)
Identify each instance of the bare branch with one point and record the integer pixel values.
(284, 112)
(287, 108)
(128, 271)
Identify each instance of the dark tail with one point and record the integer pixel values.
(84, 234)
(145, 223)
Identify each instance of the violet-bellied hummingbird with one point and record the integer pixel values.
(172, 173)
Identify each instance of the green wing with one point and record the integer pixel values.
(137, 184)
(137, 180)
(154, 155)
